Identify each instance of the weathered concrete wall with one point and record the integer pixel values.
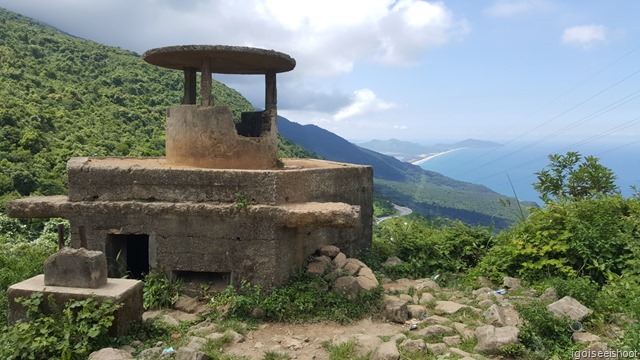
(195, 222)
(205, 136)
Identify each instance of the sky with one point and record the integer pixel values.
(424, 71)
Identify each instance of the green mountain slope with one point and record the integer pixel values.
(63, 96)
(426, 192)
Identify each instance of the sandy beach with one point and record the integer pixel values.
(427, 157)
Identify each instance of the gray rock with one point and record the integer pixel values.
(459, 352)
(352, 266)
(386, 351)
(392, 261)
(317, 267)
(437, 348)
(330, 251)
(406, 297)
(435, 319)
(549, 295)
(511, 283)
(366, 344)
(366, 279)
(449, 307)
(482, 291)
(196, 343)
(413, 345)
(426, 298)
(110, 354)
(185, 353)
(491, 339)
(426, 284)
(397, 311)
(438, 330)
(452, 340)
(235, 337)
(186, 304)
(486, 303)
(416, 311)
(347, 286)
(502, 315)
(150, 354)
(569, 307)
(340, 260)
(204, 328)
(584, 337)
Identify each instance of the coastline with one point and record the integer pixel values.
(428, 157)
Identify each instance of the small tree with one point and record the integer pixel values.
(572, 177)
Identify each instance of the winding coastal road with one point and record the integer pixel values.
(400, 211)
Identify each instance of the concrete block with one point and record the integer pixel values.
(76, 268)
(126, 292)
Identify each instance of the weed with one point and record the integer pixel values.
(272, 355)
(242, 202)
(72, 332)
(346, 350)
(160, 291)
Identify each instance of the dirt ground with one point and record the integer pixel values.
(304, 341)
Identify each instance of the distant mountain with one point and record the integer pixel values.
(427, 192)
(411, 152)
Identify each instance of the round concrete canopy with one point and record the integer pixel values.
(224, 59)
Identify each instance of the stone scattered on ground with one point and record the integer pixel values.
(569, 307)
(417, 316)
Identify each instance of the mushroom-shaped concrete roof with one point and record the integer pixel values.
(223, 59)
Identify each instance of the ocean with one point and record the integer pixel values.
(493, 167)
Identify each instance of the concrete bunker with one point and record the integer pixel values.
(220, 207)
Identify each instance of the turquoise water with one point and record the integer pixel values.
(519, 161)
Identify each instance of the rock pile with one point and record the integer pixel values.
(419, 316)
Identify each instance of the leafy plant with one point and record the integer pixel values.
(542, 331)
(72, 333)
(242, 202)
(160, 291)
(572, 177)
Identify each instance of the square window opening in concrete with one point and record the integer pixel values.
(127, 255)
(253, 124)
(203, 280)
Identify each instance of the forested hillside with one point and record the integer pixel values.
(426, 192)
(63, 96)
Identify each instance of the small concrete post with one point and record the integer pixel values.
(60, 236)
(189, 97)
(205, 83)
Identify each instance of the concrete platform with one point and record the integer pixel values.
(121, 291)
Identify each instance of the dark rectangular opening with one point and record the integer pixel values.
(127, 255)
(252, 124)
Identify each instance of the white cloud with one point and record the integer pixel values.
(327, 37)
(364, 102)
(509, 8)
(584, 36)
(400, 127)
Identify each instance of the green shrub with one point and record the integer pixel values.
(159, 291)
(593, 237)
(542, 331)
(582, 289)
(428, 247)
(24, 247)
(80, 328)
(304, 298)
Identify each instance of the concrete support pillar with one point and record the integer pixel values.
(205, 83)
(189, 97)
(270, 98)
